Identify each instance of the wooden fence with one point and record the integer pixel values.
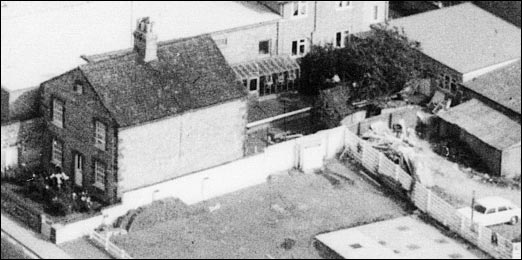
(426, 201)
(105, 243)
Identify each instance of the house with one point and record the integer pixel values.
(133, 118)
(236, 27)
(301, 25)
(499, 89)
(260, 40)
(464, 41)
(494, 137)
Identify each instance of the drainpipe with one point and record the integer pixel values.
(315, 24)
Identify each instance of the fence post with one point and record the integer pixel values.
(106, 243)
(396, 172)
(428, 205)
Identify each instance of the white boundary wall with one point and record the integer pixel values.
(217, 181)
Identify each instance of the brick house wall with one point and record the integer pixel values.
(5, 106)
(77, 134)
(23, 104)
(239, 45)
(182, 144)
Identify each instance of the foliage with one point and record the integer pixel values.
(379, 64)
(55, 190)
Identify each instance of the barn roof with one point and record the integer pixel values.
(485, 123)
(502, 86)
(463, 37)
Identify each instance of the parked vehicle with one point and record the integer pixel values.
(492, 211)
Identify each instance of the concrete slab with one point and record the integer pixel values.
(404, 237)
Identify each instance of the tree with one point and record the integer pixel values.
(379, 64)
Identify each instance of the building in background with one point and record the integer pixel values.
(261, 40)
(464, 41)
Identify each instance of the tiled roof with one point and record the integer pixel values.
(463, 37)
(188, 74)
(502, 86)
(485, 123)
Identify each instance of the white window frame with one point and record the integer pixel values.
(100, 135)
(300, 43)
(302, 9)
(57, 152)
(342, 44)
(58, 112)
(343, 5)
(100, 171)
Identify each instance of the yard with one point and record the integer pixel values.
(454, 181)
(277, 219)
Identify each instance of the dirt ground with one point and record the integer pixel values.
(277, 219)
(456, 187)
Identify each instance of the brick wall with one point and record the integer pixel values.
(5, 106)
(25, 138)
(77, 135)
(185, 143)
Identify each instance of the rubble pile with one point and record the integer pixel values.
(402, 146)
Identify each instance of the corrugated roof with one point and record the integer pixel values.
(188, 74)
(485, 123)
(502, 86)
(463, 37)
(40, 44)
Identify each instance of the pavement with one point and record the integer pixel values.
(32, 242)
(399, 238)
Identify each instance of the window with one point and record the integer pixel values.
(299, 8)
(453, 85)
(341, 38)
(503, 208)
(338, 39)
(264, 47)
(299, 48)
(57, 152)
(343, 4)
(58, 113)
(253, 84)
(99, 175)
(480, 209)
(100, 134)
(375, 12)
(491, 211)
(78, 87)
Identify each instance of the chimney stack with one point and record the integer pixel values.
(145, 41)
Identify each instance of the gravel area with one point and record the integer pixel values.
(277, 219)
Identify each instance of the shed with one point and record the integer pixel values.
(492, 135)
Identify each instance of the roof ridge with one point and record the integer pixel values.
(112, 55)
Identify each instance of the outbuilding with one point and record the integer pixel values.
(494, 137)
